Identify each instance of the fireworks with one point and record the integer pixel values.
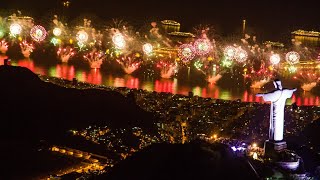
(202, 47)
(230, 52)
(308, 79)
(241, 55)
(275, 59)
(55, 41)
(259, 78)
(186, 52)
(292, 57)
(147, 48)
(308, 86)
(65, 54)
(15, 29)
(82, 36)
(1, 33)
(168, 68)
(26, 49)
(3, 46)
(226, 62)
(57, 31)
(38, 33)
(95, 58)
(198, 64)
(119, 41)
(129, 63)
(260, 83)
(213, 79)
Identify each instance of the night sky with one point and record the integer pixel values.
(270, 20)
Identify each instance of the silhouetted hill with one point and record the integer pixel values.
(33, 110)
(307, 145)
(30, 106)
(195, 160)
(312, 133)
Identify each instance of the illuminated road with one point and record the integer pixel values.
(90, 161)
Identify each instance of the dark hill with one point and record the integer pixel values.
(312, 133)
(195, 160)
(31, 107)
(33, 110)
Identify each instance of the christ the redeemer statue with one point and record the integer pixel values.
(278, 99)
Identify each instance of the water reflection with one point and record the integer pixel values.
(97, 76)
(28, 63)
(62, 71)
(166, 85)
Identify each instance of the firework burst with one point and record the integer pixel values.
(65, 54)
(38, 33)
(15, 29)
(147, 48)
(292, 57)
(186, 52)
(259, 78)
(3, 46)
(308, 79)
(202, 47)
(130, 63)
(167, 68)
(241, 55)
(26, 48)
(230, 52)
(95, 58)
(275, 59)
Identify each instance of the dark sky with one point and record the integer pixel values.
(270, 19)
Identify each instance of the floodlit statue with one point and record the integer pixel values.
(278, 99)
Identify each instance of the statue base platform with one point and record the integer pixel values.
(272, 148)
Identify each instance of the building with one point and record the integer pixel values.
(309, 38)
(170, 26)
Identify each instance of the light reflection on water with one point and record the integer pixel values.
(96, 76)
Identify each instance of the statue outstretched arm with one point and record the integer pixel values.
(289, 92)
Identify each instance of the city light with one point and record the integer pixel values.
(255, 156)
(254, 145)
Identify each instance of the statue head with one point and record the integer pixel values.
(277, 84)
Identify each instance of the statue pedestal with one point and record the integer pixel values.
(272, 148)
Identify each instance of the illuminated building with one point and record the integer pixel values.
(170, 26)
(24, 18)
(185, 37)
(309, 38)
